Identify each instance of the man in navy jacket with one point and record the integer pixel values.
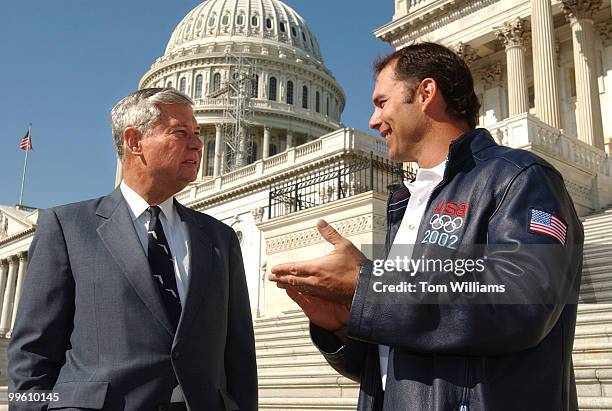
(505, 343)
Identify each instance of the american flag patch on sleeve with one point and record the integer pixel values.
(548, 224)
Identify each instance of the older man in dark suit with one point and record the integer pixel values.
(133, 301)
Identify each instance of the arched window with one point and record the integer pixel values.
(269, 23)
(240, 20)
(282, 27)
(252, 157)
(216, 81)
(210, 158)
(318, 102)
(327, 107)
(304, 97)
(272, 89)
(198, 86)
(169, 84)
(255, 86)
(183, 85)
(293, 31)
(290, 92)
(254, 21)
(225, 20)
(211, 21)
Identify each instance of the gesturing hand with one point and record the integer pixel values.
(333, 277)
(328, 315)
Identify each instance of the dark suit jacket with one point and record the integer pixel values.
(91, 325)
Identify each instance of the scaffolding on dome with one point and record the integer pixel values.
(238, 115)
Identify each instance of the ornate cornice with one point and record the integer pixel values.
(304, 238)
(413, 26)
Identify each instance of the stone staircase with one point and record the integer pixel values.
(294, 376)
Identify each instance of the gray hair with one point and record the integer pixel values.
(141, 111)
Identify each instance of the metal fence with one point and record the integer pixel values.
(352, 174)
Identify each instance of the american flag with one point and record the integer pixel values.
(548, 224)
(26, 142)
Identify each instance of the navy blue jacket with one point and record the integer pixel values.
(506, 351)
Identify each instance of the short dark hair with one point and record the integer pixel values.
(453, 77)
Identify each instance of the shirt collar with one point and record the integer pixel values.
(138, 205)
(427, 177)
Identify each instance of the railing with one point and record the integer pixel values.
(351, 175)
(336, 143)
(526, 130)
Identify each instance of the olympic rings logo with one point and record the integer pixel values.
(448, 223)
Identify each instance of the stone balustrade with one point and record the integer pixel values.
(337, 142)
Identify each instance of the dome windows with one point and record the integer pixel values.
(255, 86)
(216, 85)
(305, 97)
(318, 102)
(225, 20)
(169, 84)
(282, 27)
(269, 23)
(211, 20)
(240, 20)
(304, 37)
(272, 89)
(293, 31)
(290, 92)
(183, 85)
(254, 20)
(198, 86)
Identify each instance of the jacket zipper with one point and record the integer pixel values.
(464, 396)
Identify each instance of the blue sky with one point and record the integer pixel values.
(65, 63)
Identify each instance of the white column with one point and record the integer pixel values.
(218, 151)
(512, 35)
(580, 15)
(4, 267)
(202, 170)
(241, 155)
(9, 294)
(23, 266)
(289, 139)
(266, 142)
(546, 84)
(118, 172)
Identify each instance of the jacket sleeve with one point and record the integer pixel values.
(539, 273)
(44, 319)
(348, 359)
(240, 366)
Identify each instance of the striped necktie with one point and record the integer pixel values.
(162, 266)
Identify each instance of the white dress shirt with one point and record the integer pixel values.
(420, 190)
(176, 234)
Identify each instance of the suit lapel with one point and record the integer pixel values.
(120, 238)
(204, 282)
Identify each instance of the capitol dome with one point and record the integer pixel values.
(260, 56)
(264, 21)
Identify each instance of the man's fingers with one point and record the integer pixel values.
(328, 232)
(303, 268)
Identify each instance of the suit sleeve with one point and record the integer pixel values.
(540, 275)
(240, 365)
(44, 318)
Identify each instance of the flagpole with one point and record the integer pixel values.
(25, 166)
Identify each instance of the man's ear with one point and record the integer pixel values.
(132, 138)
(427, 93)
